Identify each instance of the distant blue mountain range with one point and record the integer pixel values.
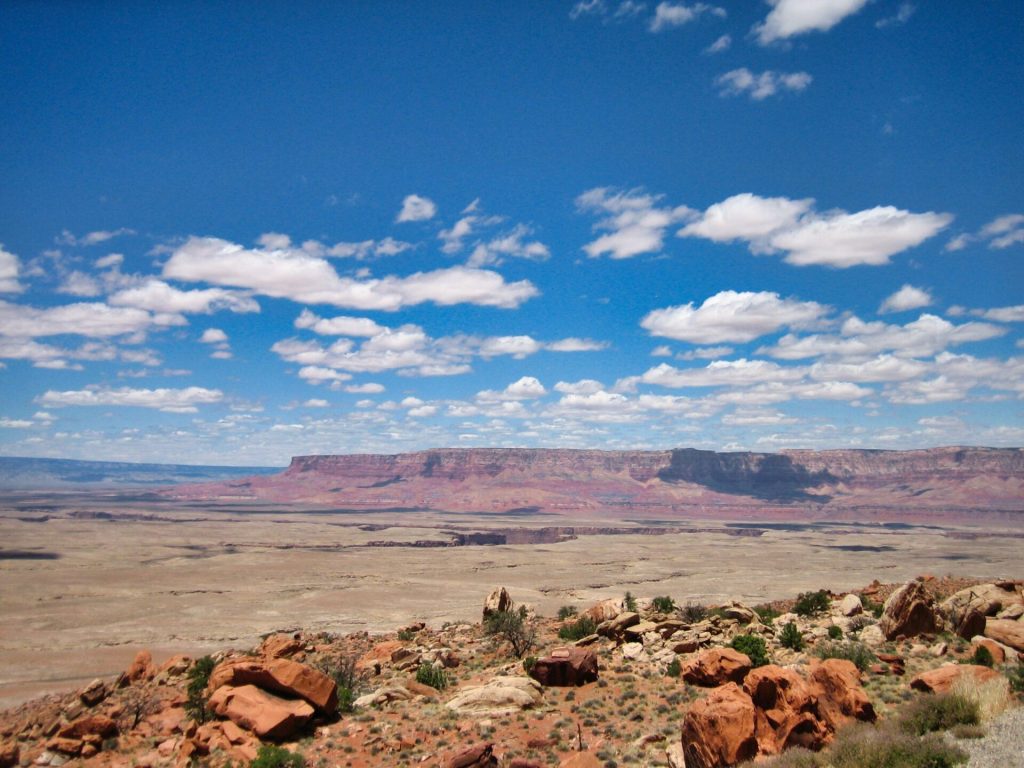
(31, 473)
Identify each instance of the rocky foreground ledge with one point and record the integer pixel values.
(624, 682)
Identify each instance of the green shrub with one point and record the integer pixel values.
(674, 668)
(875, 609)
(812, 603)
(983, 657)
(835, 632)
(1016, 678)
(691, 613)
(629, 601)
(766, 614)
(512, 627)
(938, 712)
(198, 678)
(406, 635)
(580, 628)
(753, 646)
(873, 747)
(528, 663)
(566, 611)
(856, 652)
(663, 604)
(272, 756)
(342, 671)
(433, 676)
(790, 637)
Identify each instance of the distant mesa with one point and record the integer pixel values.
(635, 485)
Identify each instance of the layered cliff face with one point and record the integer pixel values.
(646, 483)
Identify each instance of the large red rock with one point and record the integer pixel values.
(476, 756)
(281, 645)
(566, 667)
(606, 610)
(139, 670)
(498, 601)
(719, 730)
(910, 611)
(994, 648)
(282, 676)
(715, 667)
(9, 754)
(837, 685)
(942, 679)
(266, 715)
(787, 710)
(91, 725)
(1007, 632)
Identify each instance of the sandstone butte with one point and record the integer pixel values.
(653, 484)
(646, 688)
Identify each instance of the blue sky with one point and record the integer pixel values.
(232, 233)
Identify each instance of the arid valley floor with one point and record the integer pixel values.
(88, 580)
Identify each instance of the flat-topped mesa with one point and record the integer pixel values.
(460, 464)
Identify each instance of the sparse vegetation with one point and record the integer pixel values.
(406, 635)
(766, 614)
(754, 647)
(983, 657)
(791, 638)
(835, 632)
(1016, 678)
(272, 756)
(342, 670)
(198, 678)
(858, 653)
(674, 668)
(692, 612)
(513, 627)
(434, 676)
(874, 747)
(629, 602)
(937, 712)
(566, 612)
(578, 629)
(811, 603)
(663, 604)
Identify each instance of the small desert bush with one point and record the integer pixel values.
(870, 606)
(790, 637)
(858, 653)
(198, 678)
(1016, 678)
(513, 627)
(857, 623)
(797, 757)
(766, 614)
(528, 663)
(869, 746)
(629, 602)
(406, 635)
(753, 646)
(272, 756)
(937, 712)
(578, 629)
(674, 668)
(691, 613)
(663, 604)
(342, 670)
(435, 677)
(566, 612)
(992, 697)
(835, 632)
(812, 603)
(983, 657)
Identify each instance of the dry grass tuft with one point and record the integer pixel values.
(991, 697)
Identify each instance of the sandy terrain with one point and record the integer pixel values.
(86, 594)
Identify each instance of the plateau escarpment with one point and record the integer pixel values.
(647, 484)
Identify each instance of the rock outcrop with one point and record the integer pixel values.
(720, 729)
(566, 667)
(942, 679)
(498, 601)
(502, 695)
(1007, 632)
(266, 715)
(910, 611)
(281, 676)
(716, 666)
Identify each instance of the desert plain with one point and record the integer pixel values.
(88, 579)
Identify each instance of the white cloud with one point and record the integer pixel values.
(901, 17)
(8, 423)
(315, 403)
(1013, 314)
(416, 208)
(316, 374)
(858, 340)
(93, 238)
(662, 350)
(721, 44)
(509, 244)
(422, 411)
(1001, 232)
(634, 222)
(573, 344)
(77, 283)
(588, 7)
(274, 240)
(158, 296)
(213, 336)
(907, 297)
(338, 326)
(581, 387)
(669, 15)
(760, 85)
(369, 388)
(297, 275)
(719, 373)
(167, 400)
(834, 238)
(881, 368)
(731, 316)
(9, 269)
(526, 388)
(360, 251)
(789, 18)
(516, 346)
(705, 353)
(756, 417)
(94, 319)
(110, 260)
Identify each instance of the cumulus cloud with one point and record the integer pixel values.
(93, 238)
(94, 319)
(634, 222)
(168, 400)
(834, 238)
(1001, 232)
(295, 274)
(705, 353)
(10, 267)
(581, 387)
(760, 85)
(789, 18)
(859, 340)
(338, 326)
(361, 251)
(369, 388)
(669, 15)
(77, 283)
(213, 336)
(526, 388)
(731, 316)
(907, 297)
(159, 296)
(721, 44)
(898, 19)
(416, 208)
(512, 243)
(719, 373)
(573, 344)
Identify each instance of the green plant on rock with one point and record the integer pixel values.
(566, 612)
(434, 676)
(753, 647)
(812, 603)
(514, 628)
(528, 663)
(629, 602)
(578, 629)
(983, 657)
(663, 604)
(273, 756)
(835, 632)
(791, 638)
(198, 679)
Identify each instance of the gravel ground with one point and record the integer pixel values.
(1003, 746)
